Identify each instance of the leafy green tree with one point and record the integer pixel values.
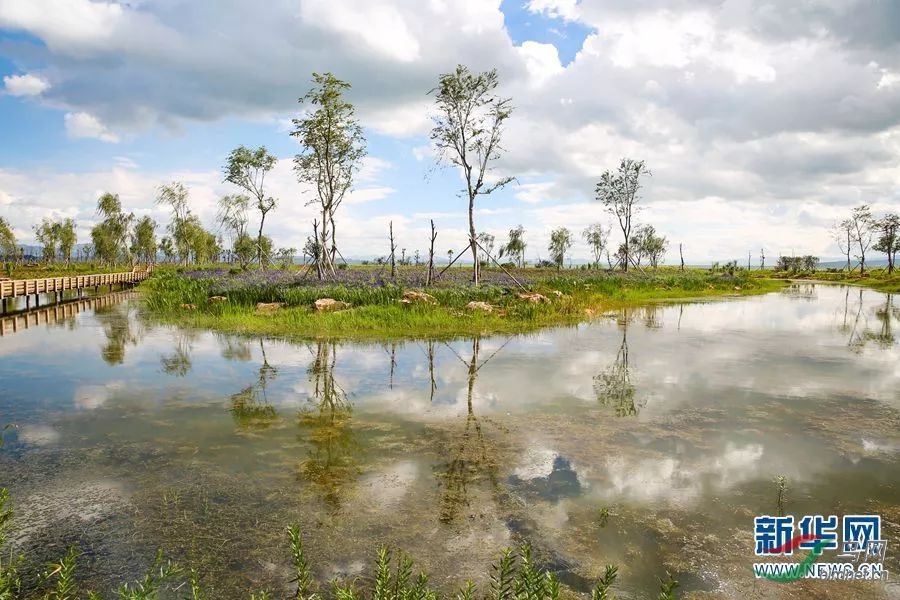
(244, 248)
(467, 132)
(332, 147)
(67, 236)
(618, 191)
(487, 242)
(645, 243)
(233, 217)
(167, 248)
(888, 238)
(247, 169)
(515, 246)
(175, 196)
(560, 242)
(143, 240)
(47, 235)
(597, 238)
(110, 236)
(8, 247)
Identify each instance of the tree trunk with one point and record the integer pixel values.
(430, 277)
(472, 244)
(848, 251)
(259, 239)
(681, 254)
(393, 250)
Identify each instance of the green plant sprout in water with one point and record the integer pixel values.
(603, 516)
(514, 576)
(781, 498)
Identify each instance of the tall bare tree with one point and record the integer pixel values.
(467, 132)
(247, 169)
(332, 149)
(842, 234)
(618, 191)
(863, 226)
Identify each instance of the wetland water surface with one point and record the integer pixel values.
(649, 439)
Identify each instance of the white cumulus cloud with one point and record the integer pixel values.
(86, 125)
(25, 85)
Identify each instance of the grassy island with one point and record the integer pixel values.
(370, 304)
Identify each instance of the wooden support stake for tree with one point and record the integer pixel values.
(510, 275)
(393, 250)
(458, 256)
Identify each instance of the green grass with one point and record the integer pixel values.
(378, 313)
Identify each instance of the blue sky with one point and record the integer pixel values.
(761, 128)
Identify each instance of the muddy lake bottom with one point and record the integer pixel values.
(649, 438)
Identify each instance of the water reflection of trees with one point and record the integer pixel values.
(801, 291)
(325, 423)
(179, 363)
(250, 408)
(472, 456)
(614, 386)
(855, 323)
(121, 330)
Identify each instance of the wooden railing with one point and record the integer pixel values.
(12, 288)
(58, 312)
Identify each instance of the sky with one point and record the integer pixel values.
(762, 122)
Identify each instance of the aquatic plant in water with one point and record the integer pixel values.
(515, 576)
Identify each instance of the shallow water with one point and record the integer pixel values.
(674, 420)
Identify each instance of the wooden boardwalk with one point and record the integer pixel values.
(17, 288)
(57, 312)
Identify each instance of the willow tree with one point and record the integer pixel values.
(232, 216)
(110, 236)
(143, 240)
(247, 169)
(560, 242)
(332, 147)
(597, 237)
(8, 249)
(467, 131)
(618, 191)
(175, 196)
(515, 246)
(66, 237)
(47, 235)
